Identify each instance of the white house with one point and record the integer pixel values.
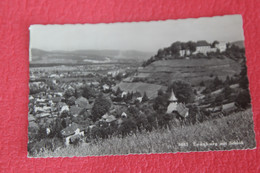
(222, 46)
(184, 52)
(202, 47)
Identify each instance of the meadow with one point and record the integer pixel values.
(231, 132)
(192, 70)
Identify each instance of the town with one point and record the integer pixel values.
(185, 84)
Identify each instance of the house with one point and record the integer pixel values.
(184, 52)
(59, 105)
(31, 118)
(139, 99)
(108, 118)
(95, 84)
(202, 47)
(124, 115)
(72, 133)
(31, 98)
(54, 76)
(221, 46)
(214, 109)
(105, 87)
(64, 108)
(42, 115)
(124, 94)
(229, 108)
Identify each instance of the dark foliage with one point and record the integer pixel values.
(182, 90)
(243, 99)
(100, 107)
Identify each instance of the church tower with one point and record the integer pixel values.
(175, 106)
(173, 103)
(172, 97)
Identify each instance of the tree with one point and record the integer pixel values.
(87, 91)
(175, 48)
(219, 99)
(227, 91)
(243, 99)
(227, 81)
(145, 98)
(217, 81)
(202, 83)
(160, 103)
(183, 91)
(213, 45)
(192, 46)
(69, 92)
(71, 101)
(160, 92)
(100, 107)
(243, 81)
(118, 91)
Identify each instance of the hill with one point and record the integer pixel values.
(193, 62)
(192, 70)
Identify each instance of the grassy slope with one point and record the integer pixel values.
(236, 127)
(150, 89)
(193, 70)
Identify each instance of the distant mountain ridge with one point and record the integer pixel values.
(76, 56)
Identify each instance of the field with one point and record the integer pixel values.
(192, 70)
(150, 89)
(232, 132)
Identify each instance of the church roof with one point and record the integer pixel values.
(172, 97)
(202, 43)
(70, 130)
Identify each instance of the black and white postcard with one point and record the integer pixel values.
(138, 88)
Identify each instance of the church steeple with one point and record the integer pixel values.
(172, 97)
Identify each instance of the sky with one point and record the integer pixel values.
(143, 36)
